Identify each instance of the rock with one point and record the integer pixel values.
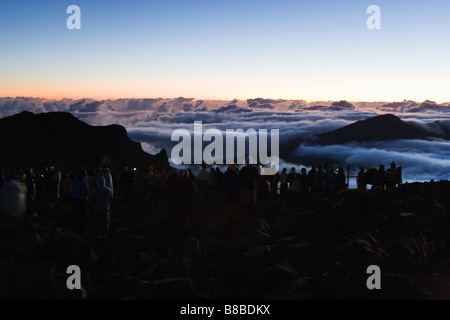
(220, 229)
(122, 229)
(407, 214)
(258, 252)
(301, 250)
(34, 278)
(298, 289)
(163, 251)
(394, 286)
(249, 225)
(192, 248)
(204, 285)
(258, 258)
(349, 253)
(168, 289)
(307, 223)
(93, 256)
(277, 275)
(216, 248)
(7, 274)
(272, 278)
(255, 239)
(146, 257)
(285, 241)
(308, 215)
(288, 224)
(59, 289)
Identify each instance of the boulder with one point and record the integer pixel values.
(168, 289)
(252, 224)
(255, 239)
(34, 279)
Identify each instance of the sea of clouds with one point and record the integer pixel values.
(152, 121)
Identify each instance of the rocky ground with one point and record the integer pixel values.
(300, 247)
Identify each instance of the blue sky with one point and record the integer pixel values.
(225, 49)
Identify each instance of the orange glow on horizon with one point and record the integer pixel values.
(224, 89)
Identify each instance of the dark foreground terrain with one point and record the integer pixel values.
(300, 247)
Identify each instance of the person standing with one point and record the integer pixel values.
(283, 181)
(80, 194)
(108, 179)
(102, 198)
(30, 183)
(391, 176)
(362, 185)
(248, 177)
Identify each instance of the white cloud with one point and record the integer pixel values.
(151, 121)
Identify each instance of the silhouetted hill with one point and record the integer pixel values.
(60, 139)
(384, 127)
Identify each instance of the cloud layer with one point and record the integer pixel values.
(151, 121)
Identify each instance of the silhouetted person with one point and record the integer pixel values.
(329, 179)
(304, 181)
(202, 179)
(274, 179)
(186, 190)
(191, 177)
(340, 183)
(296, 185)
(283, 181)
(291, 176)
(311, 178)
(157, 187)
(14, 198)
(2, 186)
(92, 180)
(115, 182)
(263, 189)
(30, 183)
(378, 178)
(127, 178)
(390, 176)
(109, 182)
(80, 194)
(40, 190)
(2, 178)
(174, 193)
(21, 175)
(219, 177)
(147, 180)
(360, 180)
(211, 183)
(53, 181)
(231, 185)
(102, 198)
(248, 182)
(319, 179)
(66, 188)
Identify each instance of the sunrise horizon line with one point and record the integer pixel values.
(219, 99)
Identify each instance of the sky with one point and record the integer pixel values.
(226, 49)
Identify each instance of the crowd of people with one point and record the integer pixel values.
(380, 178)
(25, 193)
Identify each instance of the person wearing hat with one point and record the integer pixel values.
(248, 178)
(391, 175)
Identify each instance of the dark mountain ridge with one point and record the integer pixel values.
(379, 128)
(60, 139)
